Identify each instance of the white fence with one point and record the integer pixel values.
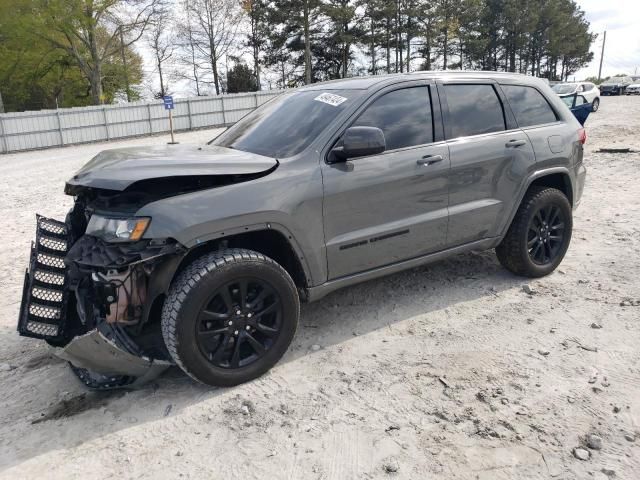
(67, 126)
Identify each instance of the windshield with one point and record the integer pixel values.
(287, 125)
(564, 88)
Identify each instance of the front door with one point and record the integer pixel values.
(382, 209)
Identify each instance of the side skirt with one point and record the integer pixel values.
(320, 291)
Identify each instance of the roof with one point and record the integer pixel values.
(366, 82)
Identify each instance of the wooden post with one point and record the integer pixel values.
(173, 140)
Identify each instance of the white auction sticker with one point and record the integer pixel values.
(330, 99)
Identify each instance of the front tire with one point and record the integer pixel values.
(539, 235)
(230, 316)
(595, 105)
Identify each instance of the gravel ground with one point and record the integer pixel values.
(450, 371)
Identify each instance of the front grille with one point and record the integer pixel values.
(44, 297)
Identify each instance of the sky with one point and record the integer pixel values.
(621, 20)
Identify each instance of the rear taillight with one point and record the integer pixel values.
(582, 136)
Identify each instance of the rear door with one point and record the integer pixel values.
(552, 141)
(385, 208)
(489, 155)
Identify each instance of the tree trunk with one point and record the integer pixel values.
(307, 44)
(96, 85)
(388, 45)
(445, 47)
(256, 50)
(214, 68)
(372, 47)
(95, 74)
(162, 90)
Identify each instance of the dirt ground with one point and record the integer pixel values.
(450, 371)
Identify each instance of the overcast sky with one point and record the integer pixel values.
(621, 20)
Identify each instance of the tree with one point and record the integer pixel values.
(91, 31)
(241, 79)
(342, 34)
(293, 26)
(214, 30)
(256, 11)
(163, 44)
(187, 52)
(35, 73)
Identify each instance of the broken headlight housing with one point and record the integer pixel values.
(112, 229)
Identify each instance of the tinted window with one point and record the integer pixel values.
(403, 115)
(287, 125)
(528, 105)
(473, 110)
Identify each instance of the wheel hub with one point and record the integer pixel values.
(241, 321)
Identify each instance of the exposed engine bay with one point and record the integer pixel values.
(92, 300)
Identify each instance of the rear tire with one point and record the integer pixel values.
(595, 105)
(539, 235)
(230, 316)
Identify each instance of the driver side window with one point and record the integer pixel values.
(403, 115)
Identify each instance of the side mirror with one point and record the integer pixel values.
(359, 142)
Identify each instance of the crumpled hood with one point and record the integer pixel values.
(118, 168)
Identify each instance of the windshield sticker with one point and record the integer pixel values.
(330, 99)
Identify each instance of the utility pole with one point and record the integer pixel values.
(604, 40)
(124, 63)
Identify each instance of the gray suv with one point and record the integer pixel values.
(200, 255)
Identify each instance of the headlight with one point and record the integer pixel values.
(117, 229)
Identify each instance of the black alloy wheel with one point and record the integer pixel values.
(239, 323)
(546, 235)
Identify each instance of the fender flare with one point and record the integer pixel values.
(525, 187)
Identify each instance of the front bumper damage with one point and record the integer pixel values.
(97, 304)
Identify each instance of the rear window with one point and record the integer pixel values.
(403, 115)
(473, 110)
(528, 105)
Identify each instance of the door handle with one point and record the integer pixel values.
(429, 160)
(515, 143)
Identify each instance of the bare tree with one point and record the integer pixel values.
(187, 54)
(162, 42)
(215, 26)
(92, 31)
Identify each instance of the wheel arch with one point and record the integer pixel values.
(558, 178)
(274, 243)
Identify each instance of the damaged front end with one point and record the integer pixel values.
(98, 303)
(95, 285)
